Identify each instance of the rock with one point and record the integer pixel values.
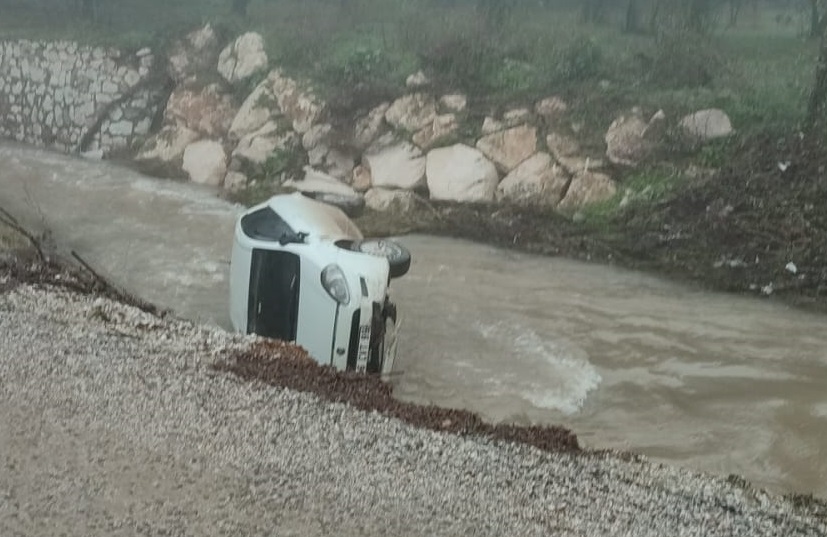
(258, 146)
(205, 162)
(93, 154)
(327, 189)
(299, 105)
(335, 162)
(456, 102)
(587, 188)
(516, 116)
(491, 125)
(385, 200)
(370, 127)
(317, 135)
(579, 164)
(258, 108)
(442, 127)
(551, 108)
(461, 173)
(242, 58)
(195, 53)
(562, 146)
(398, 165)
(509, 148)
(318, 181)
(411, 112)
(167, 146)
(235, 181)
(360, 179)
(625, 141)
(707, 124)
(417, 80)
(538, 180)
(208, 112)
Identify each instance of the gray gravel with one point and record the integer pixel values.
(112, 423)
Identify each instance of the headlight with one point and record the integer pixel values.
(334, 282)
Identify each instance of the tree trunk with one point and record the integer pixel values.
(653, 17)
(815, 120)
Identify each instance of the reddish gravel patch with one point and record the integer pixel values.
(284, 365)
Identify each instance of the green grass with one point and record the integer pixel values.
(643, 187)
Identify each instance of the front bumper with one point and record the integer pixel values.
(367, 335)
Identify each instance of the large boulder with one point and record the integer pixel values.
(209, 112)
(318, 136)
(368, 128)
(385, 200)
(630, 139)
(454, 102)
(258, 146)
(551, 108)
(491, 125)
(538, 180)
(587, 188)
(235, 181)
(442, 127)
(205, 162)
(461, 173)
(318, 181)
(242, 58)
(508, 148)
(300, 105)
(166, 147)
(195, 53)
(562, 146)
(333, 161)
(257, 109)
(395, 165)
(417, 80)
(412, 112)
(707, 124)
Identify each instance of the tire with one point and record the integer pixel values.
(397, 255)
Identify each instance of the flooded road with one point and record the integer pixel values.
(713, 382)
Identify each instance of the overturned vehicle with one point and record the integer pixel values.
(301, 271)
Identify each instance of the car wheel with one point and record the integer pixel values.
(397, 255)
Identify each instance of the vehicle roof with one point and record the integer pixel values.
(315, 218)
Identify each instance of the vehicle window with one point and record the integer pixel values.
(265, 225)
(273, 303)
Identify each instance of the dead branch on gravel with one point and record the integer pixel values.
(10, 221)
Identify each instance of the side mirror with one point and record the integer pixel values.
(297, 238)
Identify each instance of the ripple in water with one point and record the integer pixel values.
(548, 373)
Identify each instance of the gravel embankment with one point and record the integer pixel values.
(114, 422)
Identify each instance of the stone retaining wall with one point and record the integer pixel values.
(76, 98)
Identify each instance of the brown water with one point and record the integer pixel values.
(709, 381)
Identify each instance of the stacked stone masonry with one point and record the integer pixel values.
(75, 98)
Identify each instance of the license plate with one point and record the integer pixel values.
(364, 348)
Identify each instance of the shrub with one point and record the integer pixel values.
(683, 61)
(581, 60)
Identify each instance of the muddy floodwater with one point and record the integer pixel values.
(709, 381)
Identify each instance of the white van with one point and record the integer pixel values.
(301, 271)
